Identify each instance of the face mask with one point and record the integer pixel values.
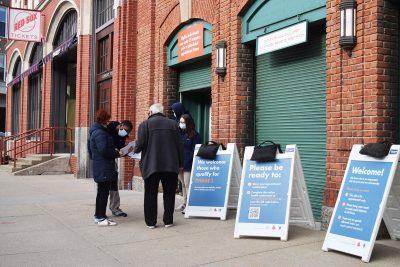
(174, 113)
(122, 133)
(182, 125)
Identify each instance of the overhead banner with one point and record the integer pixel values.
(24, 25)
(361, 203)
(214, 184)
(191, 42)
(35, 67)
(290, 36)
(266, 194)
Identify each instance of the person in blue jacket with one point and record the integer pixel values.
(102, 153)
(189, 138)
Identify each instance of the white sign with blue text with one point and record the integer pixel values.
(214, 184)
(266, 193)
(361, 203)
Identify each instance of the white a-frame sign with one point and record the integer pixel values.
(214, 184)
(361, 203)
(392, 211)
(266, 193)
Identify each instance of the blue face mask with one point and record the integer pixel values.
(122, 133)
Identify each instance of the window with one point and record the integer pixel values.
(35, 90)
(35, 101)
(16, 98)
(103, 54)
(66, 29)
(2, 68)
(104, 12)
(3, 19)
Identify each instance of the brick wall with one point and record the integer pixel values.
(362, 87)
(124, 74)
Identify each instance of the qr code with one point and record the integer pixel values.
(254, 213)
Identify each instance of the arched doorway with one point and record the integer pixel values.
(189, 54)
(64, 82)
(16, 98)
(35, 89)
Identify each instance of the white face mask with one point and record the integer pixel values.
(182, 125)
(174, 113)
(122, 133)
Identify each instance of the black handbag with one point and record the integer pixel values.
(376, 150)
(265, 153)
(209, 150)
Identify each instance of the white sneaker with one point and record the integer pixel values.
(180, 208)
(106, 222)
(151, 226)
(168, 225)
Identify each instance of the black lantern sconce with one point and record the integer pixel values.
(348, 38)
(221, 58)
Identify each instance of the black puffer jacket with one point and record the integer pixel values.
(102, 153)
(160, 144)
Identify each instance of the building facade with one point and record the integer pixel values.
(316, 94)
(48, 83)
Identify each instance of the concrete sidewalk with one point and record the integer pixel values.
(47, 221)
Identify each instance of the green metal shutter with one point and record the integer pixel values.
(195, 76)
(291, 106)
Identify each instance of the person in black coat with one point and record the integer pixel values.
(119, 133)
(162, 159)
(103, 154)
(190, 138)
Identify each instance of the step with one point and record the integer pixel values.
(41, 157)
(7, 168)
(29, 161)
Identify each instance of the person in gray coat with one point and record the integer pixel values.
(162, 158)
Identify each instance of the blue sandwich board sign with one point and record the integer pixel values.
(214, 184)
(361, 203)
(266, 193)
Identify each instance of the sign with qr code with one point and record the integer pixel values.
(266, 193)
(361, 203)
(213, 183)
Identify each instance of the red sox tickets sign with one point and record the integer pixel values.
(24, 25)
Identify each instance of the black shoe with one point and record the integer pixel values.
(119, 213)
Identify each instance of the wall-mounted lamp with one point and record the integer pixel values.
(348, 38)
(221, 58)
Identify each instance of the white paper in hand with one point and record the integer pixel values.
(137, 156)
(125, 150)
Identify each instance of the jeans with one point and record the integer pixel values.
(169, 183)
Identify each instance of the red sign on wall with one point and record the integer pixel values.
(24, 25)
(190, 42)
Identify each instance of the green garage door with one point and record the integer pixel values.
(290, 106)
(195, 89)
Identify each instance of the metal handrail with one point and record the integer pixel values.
(37, 141)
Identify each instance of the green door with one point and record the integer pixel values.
(195, 89)
(291, 106)
(199, 103)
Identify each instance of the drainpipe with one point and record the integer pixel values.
(92, 80)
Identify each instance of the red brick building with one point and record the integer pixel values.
(317, 94)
